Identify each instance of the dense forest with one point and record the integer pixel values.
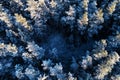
(59, 39)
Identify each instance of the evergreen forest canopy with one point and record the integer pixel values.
(59, 39)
